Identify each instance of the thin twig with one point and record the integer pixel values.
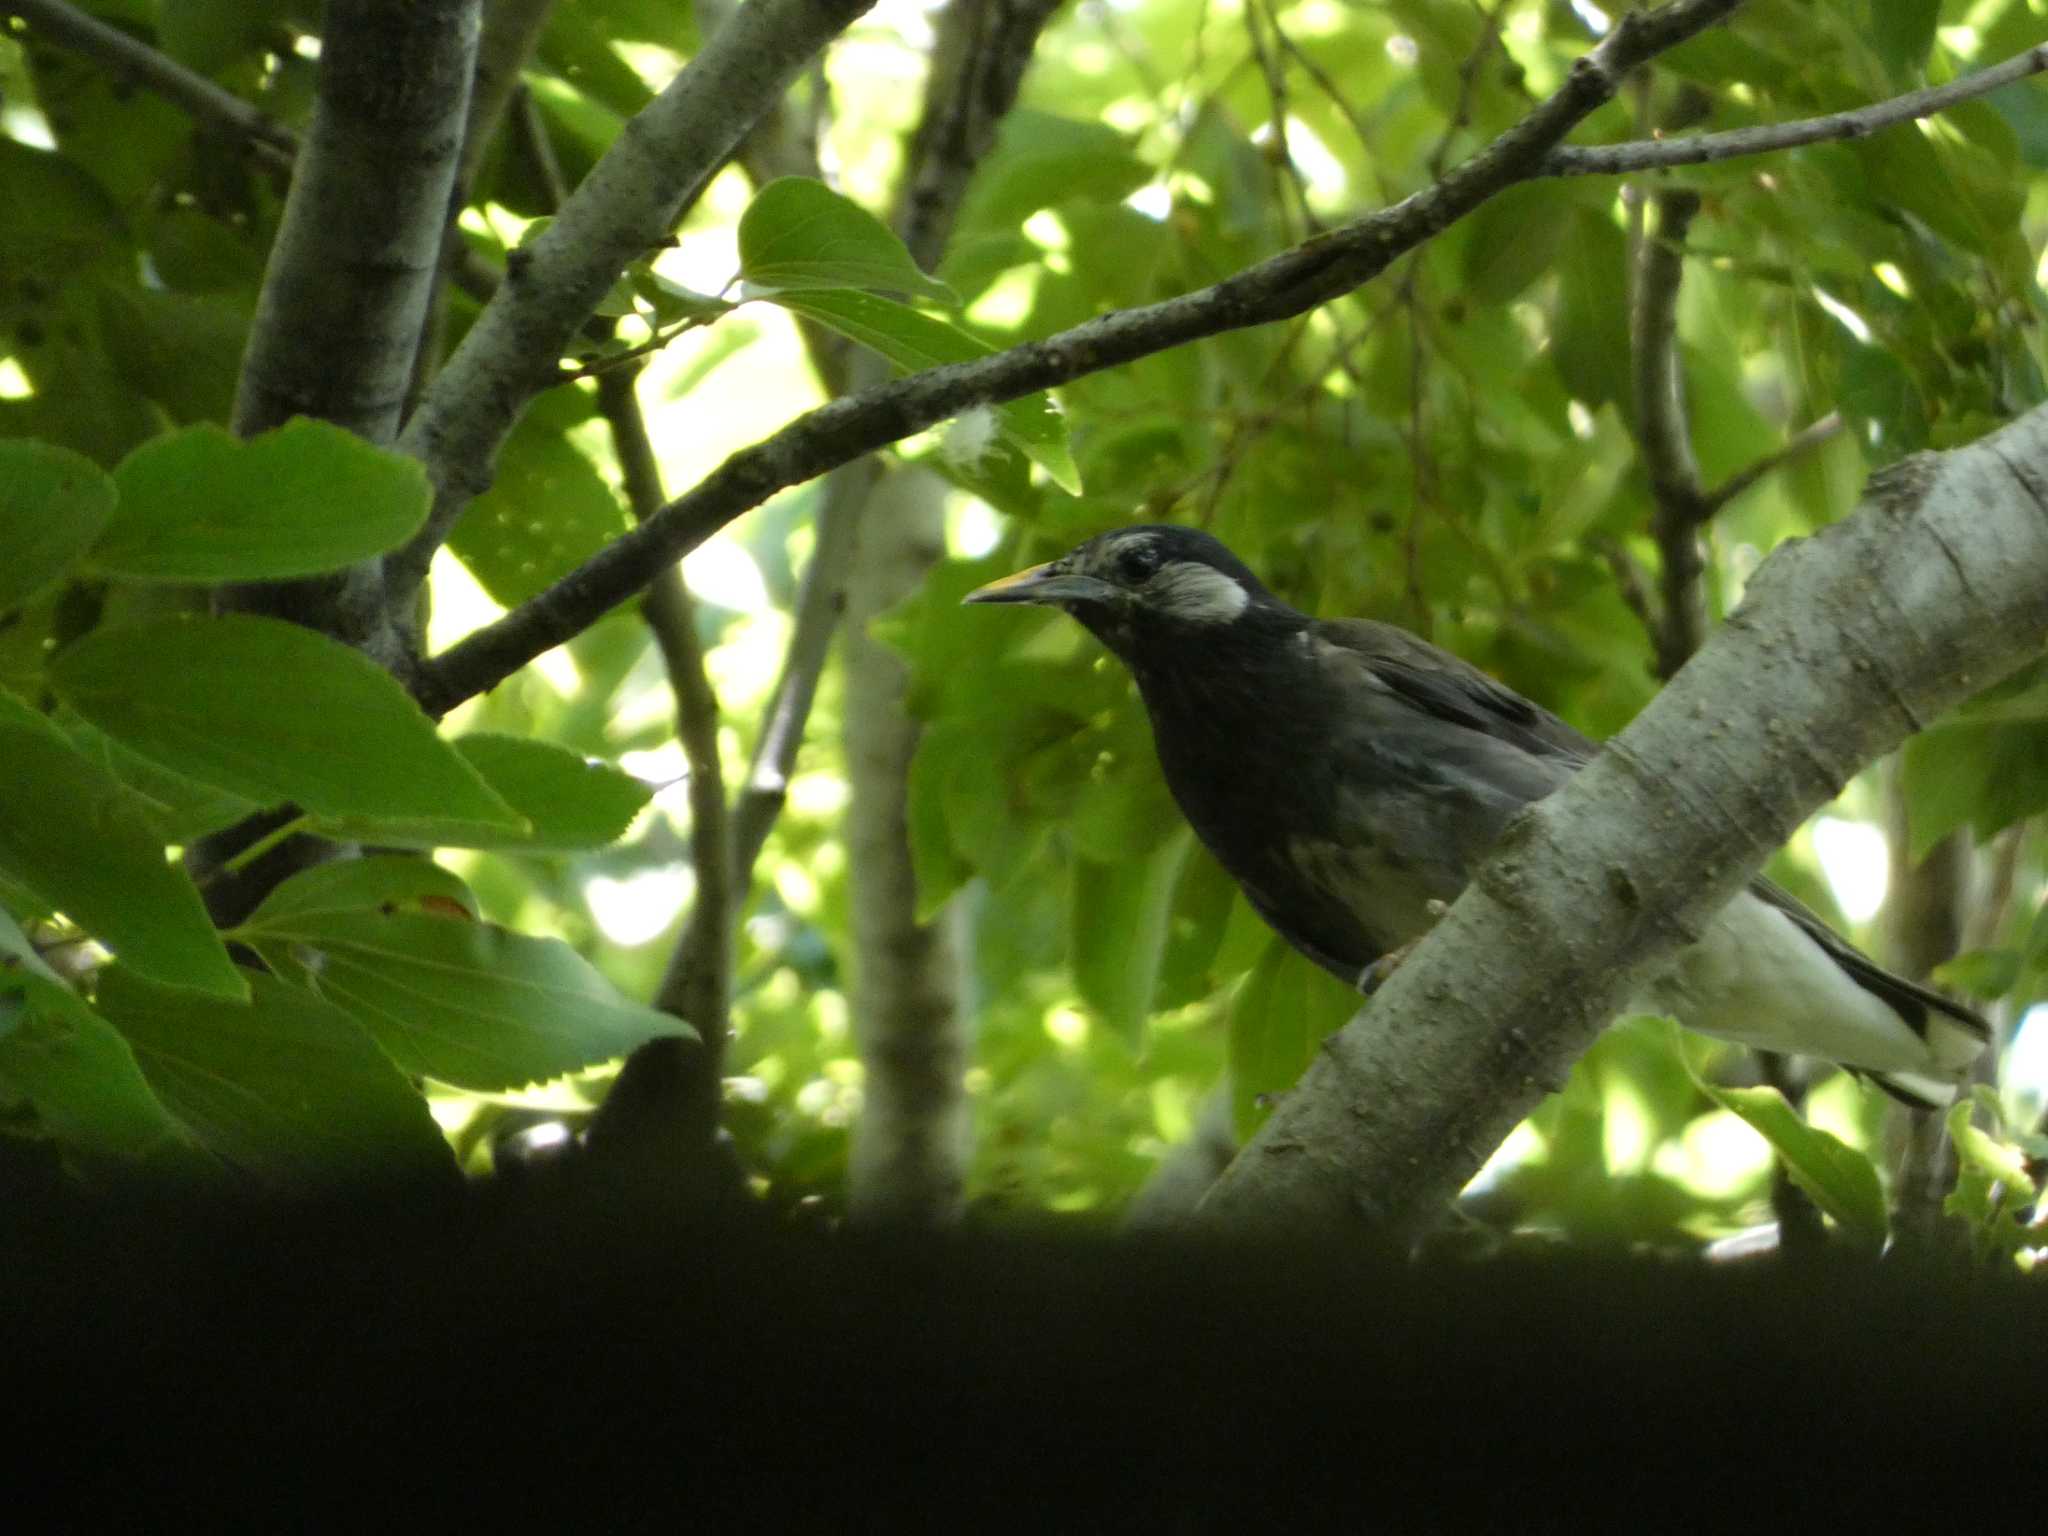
(1858, 122)
(128, 56)
(697, 983)
(1805, 440)
(1630, 579)
(819, 605)
(1664, 430)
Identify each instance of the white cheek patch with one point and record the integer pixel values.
(1197, 594)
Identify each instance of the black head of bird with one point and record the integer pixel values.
(1350, 776)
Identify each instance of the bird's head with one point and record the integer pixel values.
(1136, 584)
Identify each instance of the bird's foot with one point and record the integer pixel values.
(1375, 976)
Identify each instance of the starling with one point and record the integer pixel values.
(1350, 776)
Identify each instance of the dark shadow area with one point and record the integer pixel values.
(558, 1354)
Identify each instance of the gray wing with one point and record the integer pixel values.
(1417, 775)
(1454, 691)
(1450, 690)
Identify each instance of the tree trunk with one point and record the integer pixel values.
(910, 1143)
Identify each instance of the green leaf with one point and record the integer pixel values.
(1902, 32)
(1119, 924)
(1981, 973)
(69, 834)
(1284, 1010)
(174, 808)
(391, 882)
(1876, 392)
(1515, 238)
(799, 234)
(285, 1086)
(274, 712)
(547, 511)
(468, 1003)
(1589, 339)
(1040, 160)
(53, 504)
(1995, 1191)
(2004, 1164)
(1985, 776)
(83, 1081)
(203, 506)
(914, 341)
(1835, 1176)
(210, 34)
(569, 803)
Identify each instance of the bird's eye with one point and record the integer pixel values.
(1136, 563)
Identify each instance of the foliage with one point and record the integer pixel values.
(1452, 447)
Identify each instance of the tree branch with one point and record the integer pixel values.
(1845, 642)
(338, 320)
(908, 1158)
(511, 31)
(127, 56)
(627, 206)
(1805, 440)
(1857, 123)
(822, 598)
(1664, 429)
(842, 430)
(337, 323)
(697, 986)
(819, 605)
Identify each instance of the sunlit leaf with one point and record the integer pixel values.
(276, 713)
(547, 510)
(1835, 1176)
(202, 506)
(914, 341)
(799, 234)
(381, 883)
(567, 802)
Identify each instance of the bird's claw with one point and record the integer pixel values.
(1375, 976)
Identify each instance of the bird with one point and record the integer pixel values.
(1350, 776)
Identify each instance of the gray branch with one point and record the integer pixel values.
(1809, 437)
(338, 320)
(337, 323)
(1844, 644)
(908, 1159)
(511, 31)
(626, 207)
(1664, 429)
(698, 984)
(842, 430)
(1857, 123)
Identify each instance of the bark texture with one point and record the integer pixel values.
(908, 1161)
